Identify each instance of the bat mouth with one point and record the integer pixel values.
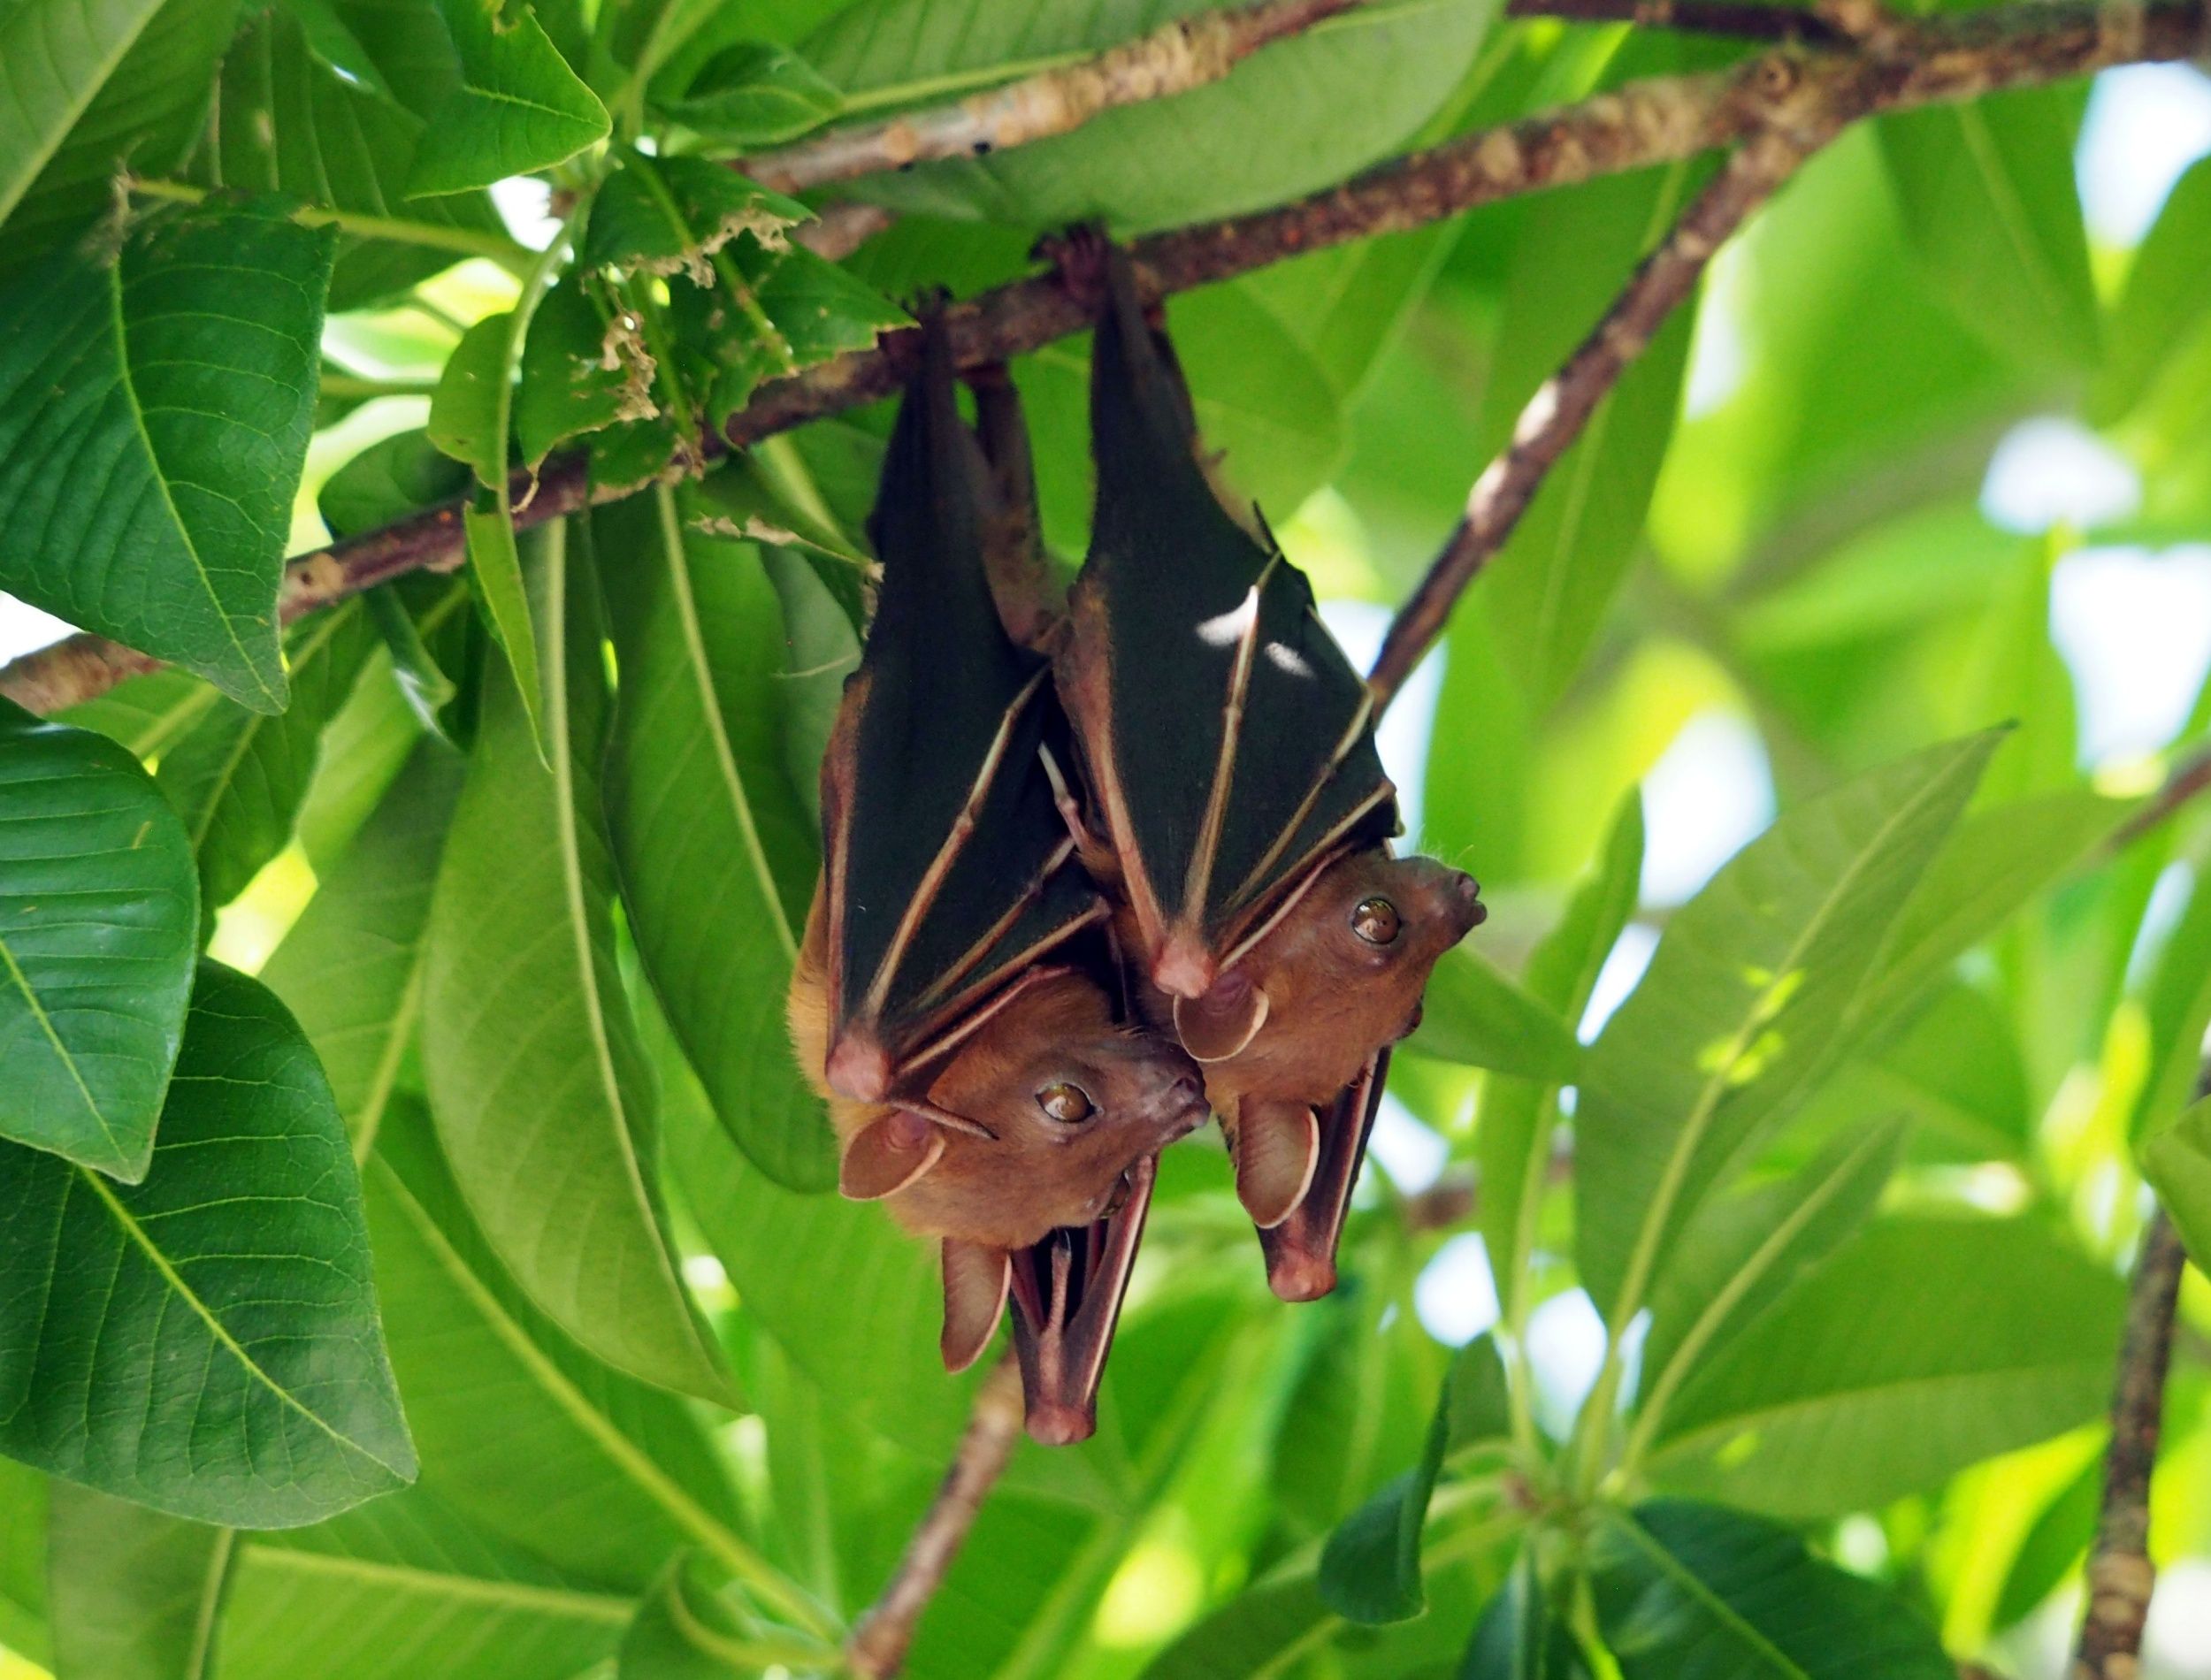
(1066, 1291)
(1301, 1250)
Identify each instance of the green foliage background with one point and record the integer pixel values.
(440, 1275)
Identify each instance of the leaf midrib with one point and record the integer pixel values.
(39, 156)
(61, 1051)
(520, 1595)
(1722, 1612)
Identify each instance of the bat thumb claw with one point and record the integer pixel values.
(858, 1068)
(1299, 1274)
(1054, 1423)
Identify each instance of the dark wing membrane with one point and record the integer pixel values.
(954, 851)
(1216, 664)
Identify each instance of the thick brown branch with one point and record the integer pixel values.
(1172, 59)
(1555, 415)
(2120, 1573)
(878, 1645)
(1660, 120)
(1750, 22)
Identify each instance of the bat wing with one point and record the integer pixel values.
(950, 869)
(1229, 739)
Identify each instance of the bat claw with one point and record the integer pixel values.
(1055, 1423)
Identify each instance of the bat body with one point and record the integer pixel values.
(953, 999)
(1238, 812)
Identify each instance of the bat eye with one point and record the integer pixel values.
(1069, 1104)
(1376, 921)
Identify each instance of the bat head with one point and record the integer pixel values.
(1338, 975)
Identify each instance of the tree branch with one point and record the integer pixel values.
(1661, 119)
(1172, 59)
(879, 1643)
(2189, 778)
(1555, 415)
(2120, 1573)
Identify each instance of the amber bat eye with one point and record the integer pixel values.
(1376, 921)
(1069, 1104)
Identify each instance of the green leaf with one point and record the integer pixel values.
(753, 93)
(421, 681)
(1745, 1249)
(386, 481)
(687, 1628)
(99, 925)
(292, 124)
(580, 372)
(181, 380)
(145, 111)
(1987, 198)
(1744, 1005)
(2177, 1003)
(205, 1343)
(1521, 1636)
(146, 712)
(1370, 1569)
(1998, 859)
(668, 216)
(716, 850)
(1925, 1346)
(1168, 161)
(861, 1318)
(465, 410)
(136, 1595)
(75, 47)
(24, 1495)
(402, 1587)
(521, 1431)
(495, 563)
(519, 106)
(237, 777)
(2176, 1161)
(2163, 304)
(1474, 1016)
(544, 1103)
(351, 967)
(1685, 1589)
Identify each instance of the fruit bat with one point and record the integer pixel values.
(1236, 809)
(953, 997)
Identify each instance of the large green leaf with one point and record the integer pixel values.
(403, 1588)
(1512, 1140)
(67, 52)
(205, 1343)
(294, 125)
(2178, 1004)
(135, 1595)
(351, 967)
(717, 851)
(180, 380)
(519, 107)
(145, 109)
(237, 776)
(1521, 1635)
(2177, 1161)
(1925, 1346)
(99, 924)
(1684, 1589)
(1370, 1569)
(2163, 305)
(24, 1495)
(687, 1629)
(1986, 193)
(1744, 1003)
(1747, 1248)
(1472, 1014)
(520, 1430)
(543, 1100)
(1168, 161)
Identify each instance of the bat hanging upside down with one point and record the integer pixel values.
(954, 998)
(1237, 812)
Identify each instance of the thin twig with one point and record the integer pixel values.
(1661, 119)
(879, 1643)
(2120, 1573)
(1172, 59)
(1750, 22)
(1555, 415)
(2191, 778)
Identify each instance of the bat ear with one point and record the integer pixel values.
(976, 1280)
(1228, 1016)
(887, 1155)
(1277, 1147)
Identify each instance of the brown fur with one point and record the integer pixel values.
(1039, 1173)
